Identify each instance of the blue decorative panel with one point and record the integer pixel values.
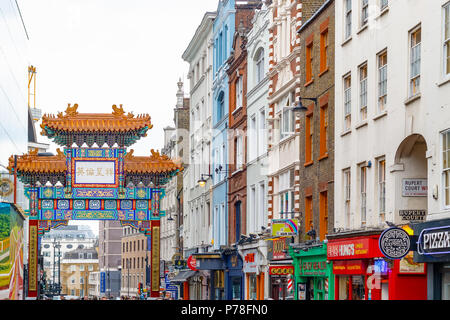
(47, 204)
(126, 204)
(94, 204)
(79, 204)
(63, 204)
(141, 204)
(110, 204)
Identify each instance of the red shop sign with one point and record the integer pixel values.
(353, 249)
(192, 263)
(281, 270)
(349, 267)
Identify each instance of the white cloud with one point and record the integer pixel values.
(102, 52)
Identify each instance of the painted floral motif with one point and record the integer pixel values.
(94, 204)
(63, 204)
(110, 204)
(47, 204)
(141, 204)
(79, 204)
(126, 204)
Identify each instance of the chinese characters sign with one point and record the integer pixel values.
(89, 173)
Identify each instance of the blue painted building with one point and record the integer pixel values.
(223, 31)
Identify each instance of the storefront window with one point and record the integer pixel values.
(236, 288)
(279, 288)
(252, 286)
(446, 282)
(310, 289)
(356, 289)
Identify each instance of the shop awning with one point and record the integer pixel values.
(184, 276)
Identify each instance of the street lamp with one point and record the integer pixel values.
(300, 107)
(202, 181)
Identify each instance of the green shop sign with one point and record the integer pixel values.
(313, 275)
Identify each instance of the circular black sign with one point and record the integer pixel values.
(394, 243)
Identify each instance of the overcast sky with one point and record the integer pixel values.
(102, 52)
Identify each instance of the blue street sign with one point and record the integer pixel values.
(102, 282)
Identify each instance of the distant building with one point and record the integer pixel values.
(135, 259)
(69, 238)
(76, 267)
(109, 255)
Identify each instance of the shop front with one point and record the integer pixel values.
(281, 269)
(254, 265)
(225, 271)
(313, 274)
(213, 265)
(234, 276)
(433, 248)
(361, 272)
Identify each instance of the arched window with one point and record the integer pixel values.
(259, 65)
(220, 106)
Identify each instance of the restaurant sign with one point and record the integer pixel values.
(394, 243)
(350, 249)
(433, 241)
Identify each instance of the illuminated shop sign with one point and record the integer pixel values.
(281, 270)
(394, 243)
(434, 241)
(350, 249)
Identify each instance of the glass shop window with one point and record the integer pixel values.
(252, 286)
(357, 288)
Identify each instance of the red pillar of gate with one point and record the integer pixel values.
(33, 258)
(155, 251)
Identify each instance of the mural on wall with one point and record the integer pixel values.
(11, 253)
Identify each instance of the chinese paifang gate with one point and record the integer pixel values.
(94, 178)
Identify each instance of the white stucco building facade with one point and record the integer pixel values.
(392, 116)
(197, 202)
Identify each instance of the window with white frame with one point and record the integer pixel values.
(252, 136)
(287, 118)
(415, 57)
(259, 64)
(347, 102)
(446, 35)
(262, 137)
(382, 81)
(253, 209)
(286, 192)
(348, 18)
(81, 267)
(239, 92)
(347, 193)
(363, 193)
(364, 12)
(382, 187)
(383, 4)
(363, 92)
(261, 206)
(239, 152)
(446, 167)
